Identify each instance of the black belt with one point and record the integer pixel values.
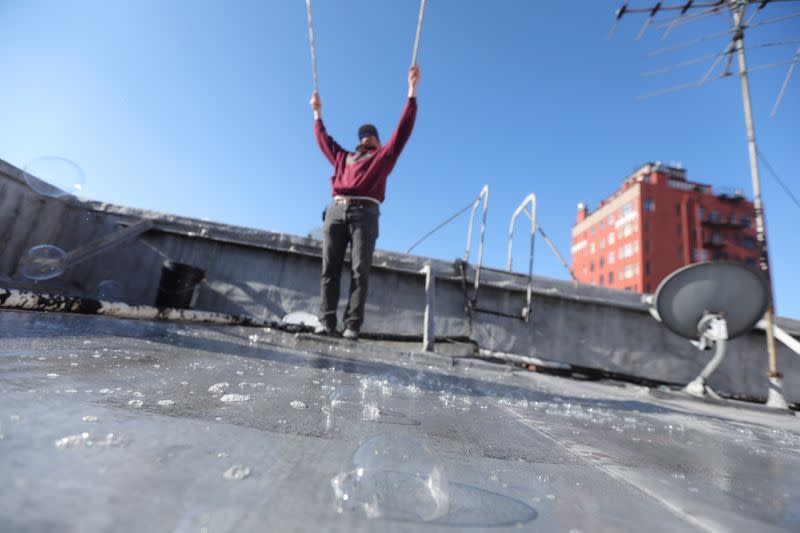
(358, 202)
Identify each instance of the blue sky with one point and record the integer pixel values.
(200, 108)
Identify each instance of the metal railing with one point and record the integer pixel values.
(483, 196)
(529, 200)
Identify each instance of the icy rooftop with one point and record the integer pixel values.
(109, 424)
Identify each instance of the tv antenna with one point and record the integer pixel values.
(689, 11)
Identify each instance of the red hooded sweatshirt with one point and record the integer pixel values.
(364, 172)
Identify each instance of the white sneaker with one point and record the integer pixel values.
(350, 334)
(322, 329)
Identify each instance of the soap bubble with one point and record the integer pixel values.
(54, 177)
(393, 477)
(109, 290)
(301, 318)
(44, 261)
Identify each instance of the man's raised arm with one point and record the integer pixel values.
(400, 136)
(326, 143)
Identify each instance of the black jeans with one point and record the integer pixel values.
(358, 226)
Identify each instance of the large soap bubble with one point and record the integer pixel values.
(42, 262)
(393, 477)
(54, 177)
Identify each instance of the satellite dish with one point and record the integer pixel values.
(730, 290)
(710, 303)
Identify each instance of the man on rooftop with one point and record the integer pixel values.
(358, 187)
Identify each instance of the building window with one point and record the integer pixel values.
(649, 204)
(591, 248)
(678, 209)
(611, 219)
(602, 244)
(602, 225)
(701, 213)
(610, 258)
(627, 230)
(628, 272)
(602, 262)
(611, 238)
(610, 278)
(715, 217)
(746, 221)
(602, 281)
(698, 254)
(748, 242)
(680, 252)
(750, 262)
(646, 246)
(591, 266)
(647, 269)
(629, 249)
(593, 231)
(627, 209)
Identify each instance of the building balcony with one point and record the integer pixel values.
(714, 241)
(725, 222)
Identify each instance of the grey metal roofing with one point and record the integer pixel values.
(109, 424)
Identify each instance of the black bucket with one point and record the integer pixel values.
(177, 285)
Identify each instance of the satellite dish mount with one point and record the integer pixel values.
(713, 332)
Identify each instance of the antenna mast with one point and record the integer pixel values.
(738, 11)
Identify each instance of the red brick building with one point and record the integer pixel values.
(657, 222)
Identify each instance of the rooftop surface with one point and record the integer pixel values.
(153, 426)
